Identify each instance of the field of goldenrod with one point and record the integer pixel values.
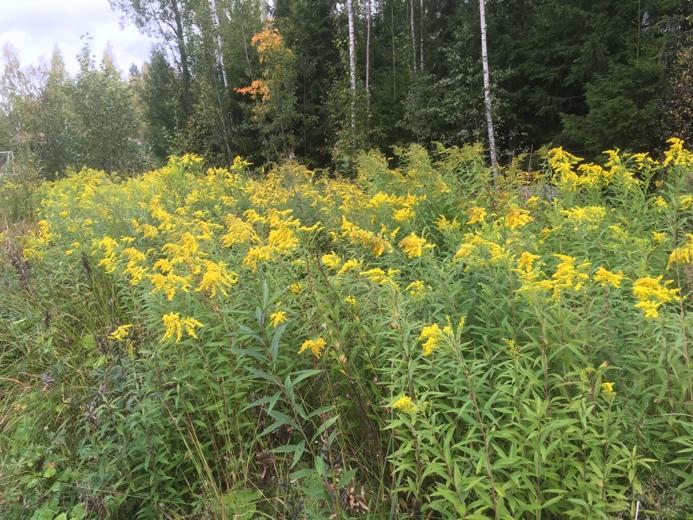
(417, 341)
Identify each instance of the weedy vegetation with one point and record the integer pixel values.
(415, 342)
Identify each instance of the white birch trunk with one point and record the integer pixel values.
(368, 58)
(217, 41)
(421, 35)
(352, 67)
(487, 91)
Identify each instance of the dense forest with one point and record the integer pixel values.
(321, 79)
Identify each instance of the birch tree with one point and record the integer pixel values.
(368, 58)
(217, 41)
(487, 91)
(352, 69)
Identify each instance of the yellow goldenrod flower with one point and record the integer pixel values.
(512, 348)
(525, 266)
(216, 278)
(432, 336)
(175, 327)
(533, 201)
(121, 333)
(331, 260)
(413, 245)
(283, 239)
(444, 225)
(584, 214)
(416, 288)
(108, 261)
(404, 215)
(476, 214)
(350, 265)
(169, 284)
(568, 275)
(659, 237)
(316, 346)
(277, 318)
(652, 294)
(296, 288)
(238, 232)
(677, 154)
(608, 388)
(257, 254)
(377, 244)
(376, 275)
(517, 218)
(404, 404)
(351, 300)
(607, 278)
(683, 254)
(661, 203)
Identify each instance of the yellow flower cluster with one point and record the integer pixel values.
(446, 226)
(376, 243)
(476, 214)
(316, 346)
(652, 294)
(121, 333)
(677, 155)
(608, 389)
(404, 404)
(416, 288)
(526, 268)
(180, 234)
(402, 207)
(568, 275)
(216, 278)
(476, 250)
(584, 214)
(517, 217)
(432, 336)
(331, 260)
(608, 279)
(414, 245)
(683, 254)
(277, 318)
(175, 326)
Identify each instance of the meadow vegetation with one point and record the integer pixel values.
(415, 341)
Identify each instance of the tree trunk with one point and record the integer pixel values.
(186, 100)
(413, 34)
(217, 41)
(368, 59)
(394, 59)
(421, 35)
(487, 92)
(352, 70)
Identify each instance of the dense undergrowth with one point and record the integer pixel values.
(225, 343)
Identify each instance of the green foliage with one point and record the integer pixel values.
(348, 373)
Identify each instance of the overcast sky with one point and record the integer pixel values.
(33, 27)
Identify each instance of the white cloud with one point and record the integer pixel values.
(34, 27)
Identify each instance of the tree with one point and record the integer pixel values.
(487, 91)
(162, 116)
(169, 20)
(352, 73)
(308, 28)
(274, 94)
(56, 123)
(107, 126)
